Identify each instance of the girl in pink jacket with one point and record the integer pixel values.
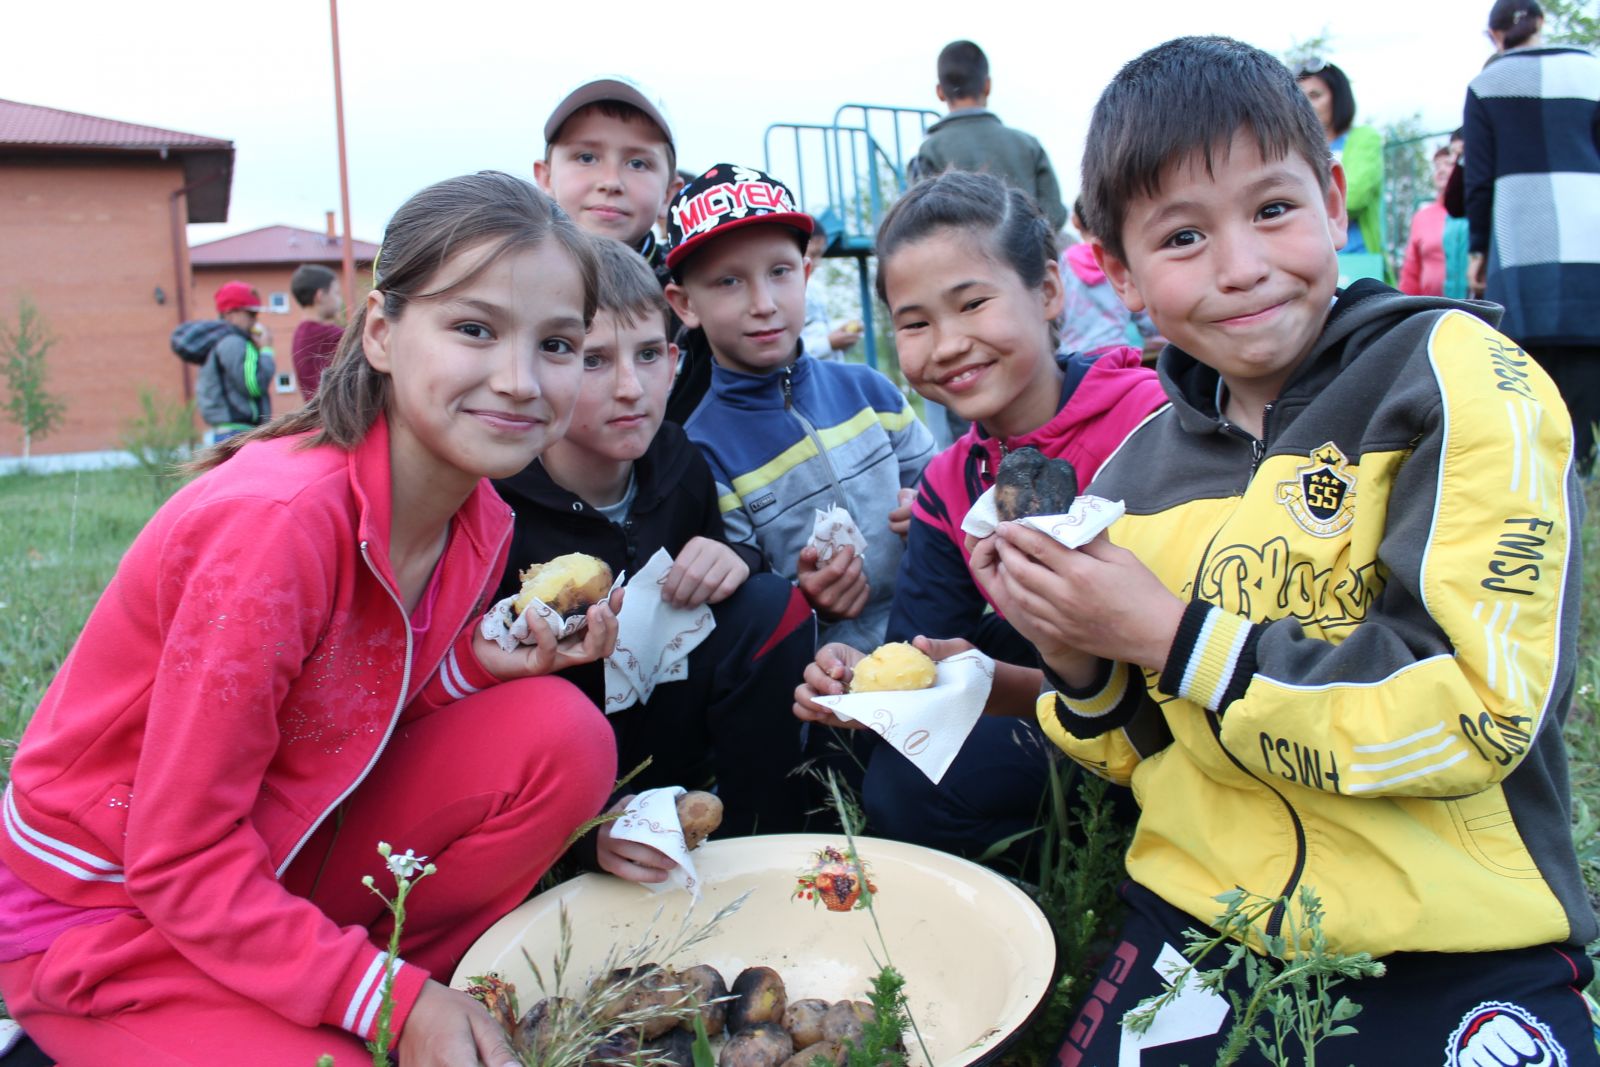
(969, 273)
(285, 670)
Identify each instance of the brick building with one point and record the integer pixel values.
(92, 216)
(265, 259)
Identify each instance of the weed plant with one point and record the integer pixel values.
(1288, 986)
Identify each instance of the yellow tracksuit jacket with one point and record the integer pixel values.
(1367, 690)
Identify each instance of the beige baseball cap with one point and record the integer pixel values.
(620, 89)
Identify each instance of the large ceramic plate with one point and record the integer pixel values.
(977, 954)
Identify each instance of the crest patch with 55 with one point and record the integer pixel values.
(1321, 497)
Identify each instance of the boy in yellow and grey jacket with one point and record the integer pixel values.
(1331, 644)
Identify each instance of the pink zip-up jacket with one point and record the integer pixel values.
(1103, 398)
(237, 680)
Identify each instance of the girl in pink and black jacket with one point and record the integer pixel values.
(285, 670)
(968, 270)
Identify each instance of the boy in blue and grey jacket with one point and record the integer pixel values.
(786, 434)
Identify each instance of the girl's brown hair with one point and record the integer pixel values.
(489, 207)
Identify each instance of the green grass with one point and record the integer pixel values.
(61, 537)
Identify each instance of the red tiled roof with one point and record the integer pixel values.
(30, 132)
(30, 124)
(277, 244)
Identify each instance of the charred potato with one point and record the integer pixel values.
(762, 1045)
(618, 1047)
(821, 1054)
(700, 814)
(760, 998)
(674, 1046)
(846, 1021)
(705, 985)
(642, 989)
(1028, 483)
(803, 1020)
(534, 1029)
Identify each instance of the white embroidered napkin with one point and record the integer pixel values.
(652, 819)
(1082, 523)
(928, 725)
(654, 638)
(834, 528)
(502, 625)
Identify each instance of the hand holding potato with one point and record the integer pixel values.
(827, 675)
(630, 860)
(836, 589)
(547, 654)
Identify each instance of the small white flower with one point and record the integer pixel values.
(408, 865)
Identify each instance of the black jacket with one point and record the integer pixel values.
(675, 500)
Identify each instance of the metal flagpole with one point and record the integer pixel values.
(350, 293)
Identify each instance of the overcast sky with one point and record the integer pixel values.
(434, 89)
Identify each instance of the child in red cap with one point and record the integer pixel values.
(233, 391)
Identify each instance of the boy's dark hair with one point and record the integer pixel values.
(622, 111)
(308, 280)
(963, 68)
(1338, 83)
(1002, 216)
(626, 286)
(1519, 20)
(1187, 96)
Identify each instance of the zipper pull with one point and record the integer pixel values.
(788, 388)
(1258, 452)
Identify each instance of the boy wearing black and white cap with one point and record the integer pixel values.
(786, 434)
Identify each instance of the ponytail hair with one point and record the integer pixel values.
(1005, 217)
(487, 208)
(1516, 21)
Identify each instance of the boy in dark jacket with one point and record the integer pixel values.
(233, 391)
(622, 484)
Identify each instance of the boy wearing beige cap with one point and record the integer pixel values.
(611, 163)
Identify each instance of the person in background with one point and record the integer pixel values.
(1533, 203)
(1358, 149)
(820, 339)
(1093, 317)
(233, 391)
(973, 138)
(1436, 252)
(315, 288)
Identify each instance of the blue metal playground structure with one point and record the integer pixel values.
(847, 173)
